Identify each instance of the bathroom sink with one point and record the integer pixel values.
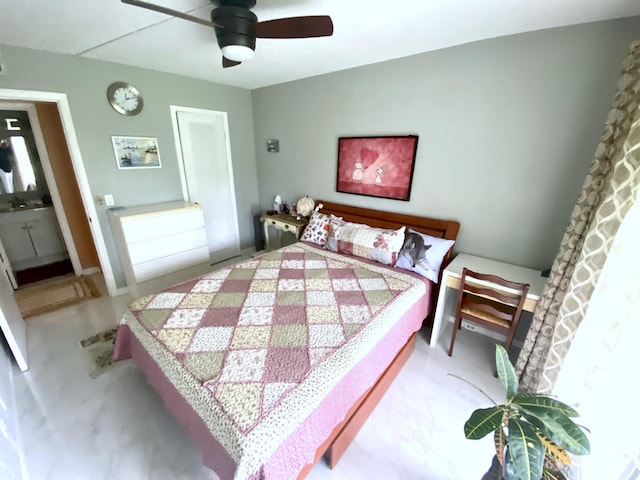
(21, 208)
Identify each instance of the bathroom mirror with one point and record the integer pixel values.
(20, 167)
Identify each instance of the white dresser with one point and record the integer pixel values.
(158, 239)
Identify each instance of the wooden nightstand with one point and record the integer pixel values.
(283, 223)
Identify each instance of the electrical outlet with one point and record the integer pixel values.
(100, 199)
(108, 200)
(469, 326)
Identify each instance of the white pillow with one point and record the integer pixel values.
(423, 254)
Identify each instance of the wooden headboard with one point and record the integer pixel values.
(376, 218)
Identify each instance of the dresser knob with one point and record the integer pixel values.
(286, 226)
(273, 222)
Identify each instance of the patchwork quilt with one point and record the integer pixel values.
(255, 347)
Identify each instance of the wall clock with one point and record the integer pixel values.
(125, 98)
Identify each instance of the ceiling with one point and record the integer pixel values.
(365, 32)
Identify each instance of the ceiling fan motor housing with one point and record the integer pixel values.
(235, 23)
(235, 3)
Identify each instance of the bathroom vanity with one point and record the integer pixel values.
(31, 237)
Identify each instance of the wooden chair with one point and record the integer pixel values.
(480, 302)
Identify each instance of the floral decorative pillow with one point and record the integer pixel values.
(423, 254)
(364, 241)
(317, 230)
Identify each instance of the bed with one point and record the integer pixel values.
(275, 361)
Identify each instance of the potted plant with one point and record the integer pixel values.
(533, 434)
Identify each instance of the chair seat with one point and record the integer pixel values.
(485, 316)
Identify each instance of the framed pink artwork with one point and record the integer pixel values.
(377, 166)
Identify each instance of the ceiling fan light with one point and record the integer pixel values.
(238, 53)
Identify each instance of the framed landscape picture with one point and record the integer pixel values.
(136, 152)
(377, 166)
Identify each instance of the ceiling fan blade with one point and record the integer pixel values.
(168, 11)
(226, 63)
(295, 27)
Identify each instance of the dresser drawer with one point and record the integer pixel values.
(147, 250)
(137, 229)
(162, 266)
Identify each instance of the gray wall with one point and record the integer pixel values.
(508, 128)
(85, 82)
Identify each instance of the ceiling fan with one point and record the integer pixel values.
(237, 27)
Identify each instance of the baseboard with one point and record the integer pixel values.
(91, 270)
(121, 291)
(244, 253)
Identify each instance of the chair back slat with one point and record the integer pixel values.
(487, 308)
(494, 279)
(492, 294)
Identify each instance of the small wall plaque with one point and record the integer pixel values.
(273, 145)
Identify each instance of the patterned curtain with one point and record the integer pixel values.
(607, 194)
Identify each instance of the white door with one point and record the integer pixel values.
(5, 266)
(12, 324)
(202, 142)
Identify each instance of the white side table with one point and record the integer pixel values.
(453, 273)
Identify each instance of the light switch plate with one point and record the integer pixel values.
(108, 200)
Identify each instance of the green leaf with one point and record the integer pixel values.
(494, 472)
(560, 429)
(548, 474)
(483, 421)
(506, 372)
(541, 403)
(526, 451)
(553, 454)
(509, 471)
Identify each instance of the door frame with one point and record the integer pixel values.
(41, 146)
(175, 109)
(60, 99)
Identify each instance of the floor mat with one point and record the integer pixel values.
(51, 295)
(97, 351)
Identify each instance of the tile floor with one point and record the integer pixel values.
(116, 427)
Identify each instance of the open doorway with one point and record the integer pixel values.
(44, 229)
(31, 239)
(58, 106)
